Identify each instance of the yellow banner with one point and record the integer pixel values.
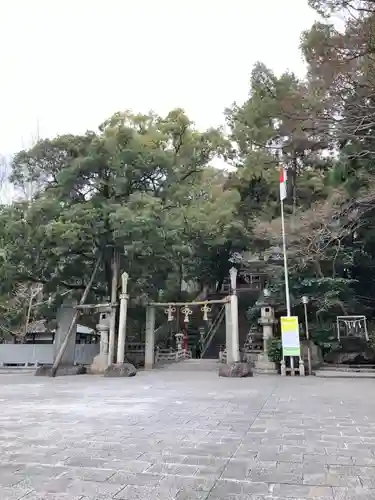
(290, 336)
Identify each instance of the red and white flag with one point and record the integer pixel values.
(283, 180)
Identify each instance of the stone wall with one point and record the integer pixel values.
(34, 354)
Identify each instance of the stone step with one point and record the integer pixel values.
(362, 368)
(194, 365)
(17, 370)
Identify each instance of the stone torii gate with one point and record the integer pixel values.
(231, 325)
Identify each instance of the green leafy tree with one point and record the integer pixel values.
(141, 187)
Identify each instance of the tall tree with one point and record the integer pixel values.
(276, 126)
(141, 186)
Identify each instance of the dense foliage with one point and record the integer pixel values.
(143, 187)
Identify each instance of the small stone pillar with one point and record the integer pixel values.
(301, 367)
(228, 332)
(150, 338)
(267, 321)
(181, 349)
(221, 353)
(201, 335)
(124, 297)
(235, 329)
(100, 362)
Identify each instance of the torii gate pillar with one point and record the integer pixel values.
(150, 338)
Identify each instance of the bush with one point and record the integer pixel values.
(371, 340)
(275, 350)
(324, 338)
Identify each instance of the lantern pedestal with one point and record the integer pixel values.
(263, 364)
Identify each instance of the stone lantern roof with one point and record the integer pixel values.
(265, 299)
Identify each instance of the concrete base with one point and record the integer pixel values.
(46, 371)
(265, 366)
(236, 370)
(99, 364)
(121, 370)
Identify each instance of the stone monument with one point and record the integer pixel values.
(267, 320)
(64, 319)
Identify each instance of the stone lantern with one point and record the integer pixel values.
(267, 321)
(100, 362)
(179, 340)
(103, 329)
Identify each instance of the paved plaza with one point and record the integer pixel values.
(185, 434)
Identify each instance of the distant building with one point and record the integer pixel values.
(38, 333)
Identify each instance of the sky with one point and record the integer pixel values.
(68, 65)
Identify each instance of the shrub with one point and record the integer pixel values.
(275, 350)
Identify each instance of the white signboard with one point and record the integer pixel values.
(290, 336)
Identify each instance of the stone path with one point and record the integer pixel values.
(186, 435)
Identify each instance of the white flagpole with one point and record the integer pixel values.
(285, 260)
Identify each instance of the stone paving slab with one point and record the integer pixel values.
(186, 435)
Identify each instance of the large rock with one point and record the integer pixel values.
(121, 370)
(135, 360)
(316, 353)
(352, 351)
(236, 370)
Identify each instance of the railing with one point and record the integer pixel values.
(135, 347)
(212, 331)
(135, 352)
(172, 355)
(164, 354)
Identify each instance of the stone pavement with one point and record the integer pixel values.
(186, 435)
